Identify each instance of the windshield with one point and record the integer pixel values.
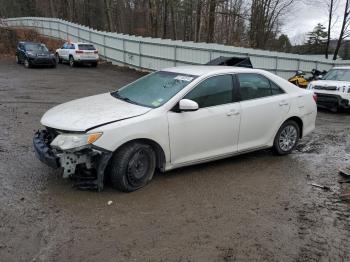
(338, 75)
(154, 89)
(36, 47)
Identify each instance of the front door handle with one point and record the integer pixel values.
(283, 103)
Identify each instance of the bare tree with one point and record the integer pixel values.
(264, 18)
(345, 29)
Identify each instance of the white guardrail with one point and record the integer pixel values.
(148, 53)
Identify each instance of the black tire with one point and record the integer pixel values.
(94, 64)
(283, 143)
(58, 59)
(18, 61)
(71, 61)
(27, 63)
(54, 66)
(132, 166)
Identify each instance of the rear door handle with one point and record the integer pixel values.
(233, 113)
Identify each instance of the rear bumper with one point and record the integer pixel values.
(330, 101)
(84, 60)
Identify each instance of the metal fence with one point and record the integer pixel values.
(154, 53)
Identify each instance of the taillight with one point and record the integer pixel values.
(79, 52)
(96, 52)
(314, 97)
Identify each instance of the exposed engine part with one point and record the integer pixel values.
(69, 162)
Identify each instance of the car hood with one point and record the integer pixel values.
(89, 112)
(330, 85)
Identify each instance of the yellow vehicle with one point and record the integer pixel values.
(299, 79)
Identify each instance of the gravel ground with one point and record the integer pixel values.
(255, 207)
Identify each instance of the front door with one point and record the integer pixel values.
(212, 130)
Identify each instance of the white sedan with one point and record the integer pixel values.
(173, 118)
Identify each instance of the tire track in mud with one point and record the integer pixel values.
(324, 220)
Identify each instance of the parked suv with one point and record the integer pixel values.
(333, 91)
(32, 54)
(77, 53)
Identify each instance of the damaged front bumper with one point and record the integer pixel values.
(85, 165)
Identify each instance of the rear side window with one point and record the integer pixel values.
(86, 47)
(214, 91)
(254, 86)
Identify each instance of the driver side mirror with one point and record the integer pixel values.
(186, 105)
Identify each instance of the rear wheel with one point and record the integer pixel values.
(286, 138)
(94, 64)
(132, 166)
(71, 61)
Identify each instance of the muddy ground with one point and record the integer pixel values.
(255, 207)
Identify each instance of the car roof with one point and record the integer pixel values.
(28, 42)
(341, 67)
(80, 43)
(200, 70)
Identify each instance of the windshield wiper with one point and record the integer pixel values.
(116, 95)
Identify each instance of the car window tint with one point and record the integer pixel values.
(86, 47)
(214, 91)
(275, 89)
(253, 86)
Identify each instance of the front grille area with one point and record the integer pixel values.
(325, 87)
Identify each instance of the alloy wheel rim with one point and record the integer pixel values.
(71, 62)
(288, 138)
(26, 63)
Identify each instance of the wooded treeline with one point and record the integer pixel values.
(246, 23)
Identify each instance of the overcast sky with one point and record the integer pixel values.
(305, 16)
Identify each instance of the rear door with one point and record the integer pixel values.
(264, 106)
(212, 130)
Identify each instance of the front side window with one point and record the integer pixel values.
(217, 90)
(154, 89)
(254, 86)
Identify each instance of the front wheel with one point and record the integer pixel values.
(27, 63)
(18, 61)
(132, 166)
(286, 138)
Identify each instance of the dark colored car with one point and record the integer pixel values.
(34, 54)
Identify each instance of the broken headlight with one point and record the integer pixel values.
(70, 141)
